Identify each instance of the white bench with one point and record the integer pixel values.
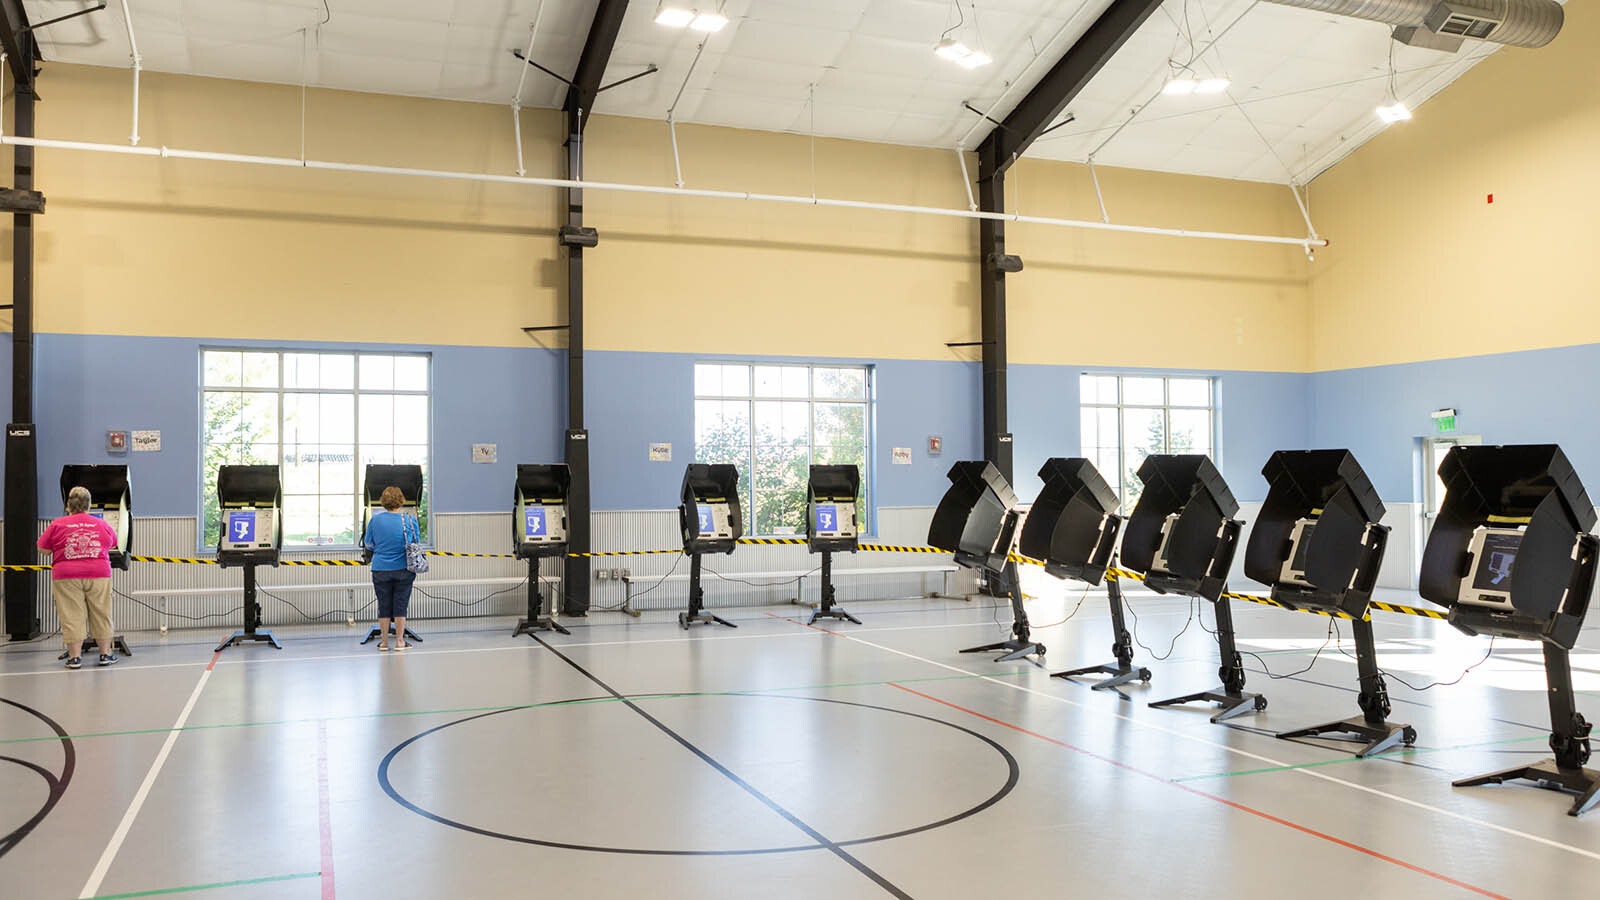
(780, 578)
(161, 594)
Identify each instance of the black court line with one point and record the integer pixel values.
(58, 785)
(822, 840)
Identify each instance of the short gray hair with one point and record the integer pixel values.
(78, 500)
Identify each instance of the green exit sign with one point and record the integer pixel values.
(1444, 420)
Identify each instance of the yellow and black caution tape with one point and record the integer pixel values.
(174, 560)
(599, 553)
(1115, 573)
(1404, 610)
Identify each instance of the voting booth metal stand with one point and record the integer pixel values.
(1510, 556)
(408, 478)
(1182, 535)
(977, 521)
(712, 522)
(539, 530)
(110, 500)
(831, 526)
(1318, 544)
(1123, 671)
(251, 533)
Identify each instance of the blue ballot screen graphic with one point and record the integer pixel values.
(534, 524)
(241, 527)
(707, 524)
(827, 517)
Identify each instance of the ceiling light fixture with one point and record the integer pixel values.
(1180, 87)
(709, 22)
(957, 52)
(673, 16)
(1214, 85)
(1394, 112)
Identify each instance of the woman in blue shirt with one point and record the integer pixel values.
(388, 533)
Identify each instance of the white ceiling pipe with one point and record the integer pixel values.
(516, 99)
(138, 65)
(288, 162)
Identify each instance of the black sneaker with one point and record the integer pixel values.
(107, 659)
(75, 662)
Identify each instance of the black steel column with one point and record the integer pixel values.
(575, 580)
(991, 246)
(22, 474)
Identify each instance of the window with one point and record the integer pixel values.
(774, 422)
(321, 418)
(1126, 418)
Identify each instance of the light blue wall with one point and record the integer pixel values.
(87, 385)
(1529, 397)
(1258, 413)
(516, 398)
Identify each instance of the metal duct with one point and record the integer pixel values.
(1517, 23)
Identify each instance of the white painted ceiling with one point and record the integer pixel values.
(1304, 89)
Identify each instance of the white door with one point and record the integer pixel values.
(1433, 453)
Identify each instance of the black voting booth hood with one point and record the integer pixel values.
(547, 484)
(1495, 486)
(1331, 484)
(408, 478)
(106, 485)
(972, 517)
(704, 482)
(841, 484)
(1069, 526)
(1199, 550)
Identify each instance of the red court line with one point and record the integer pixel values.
(214, 657)
(324, 811)
(1223, 800)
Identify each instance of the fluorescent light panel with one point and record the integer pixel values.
(674, 16)
(1394, 112)
(1212, 85)
(1179, 87)
(709, 22)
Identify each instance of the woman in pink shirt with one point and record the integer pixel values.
(80, 576)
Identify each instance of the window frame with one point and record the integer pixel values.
(354, 392)
(868, 401)
(1213, 407)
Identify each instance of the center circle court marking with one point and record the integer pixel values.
(1013, 773)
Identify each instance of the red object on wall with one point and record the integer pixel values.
(1491, 198)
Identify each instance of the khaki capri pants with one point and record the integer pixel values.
(80, 599)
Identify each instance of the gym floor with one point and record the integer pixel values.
(632, 758)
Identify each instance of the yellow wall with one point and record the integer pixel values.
(178, 247)
(1421, 266)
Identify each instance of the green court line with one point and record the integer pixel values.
(490, 709)
(1413, 751)
(206, 887)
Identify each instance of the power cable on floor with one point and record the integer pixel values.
(1171, 648)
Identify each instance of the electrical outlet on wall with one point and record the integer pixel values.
(602, 574)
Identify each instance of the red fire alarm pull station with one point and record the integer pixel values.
(1491, 198)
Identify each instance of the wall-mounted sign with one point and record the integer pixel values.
(900, 456)
(146, 441)
(660, 451)
(485, 453)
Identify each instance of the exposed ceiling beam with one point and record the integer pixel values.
(1065, 80)
(596, 55)
(14, 30)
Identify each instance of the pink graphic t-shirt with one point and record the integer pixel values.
(80, 546)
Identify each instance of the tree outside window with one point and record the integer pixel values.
(321, 418)
(1125, 418)
(773, 422)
